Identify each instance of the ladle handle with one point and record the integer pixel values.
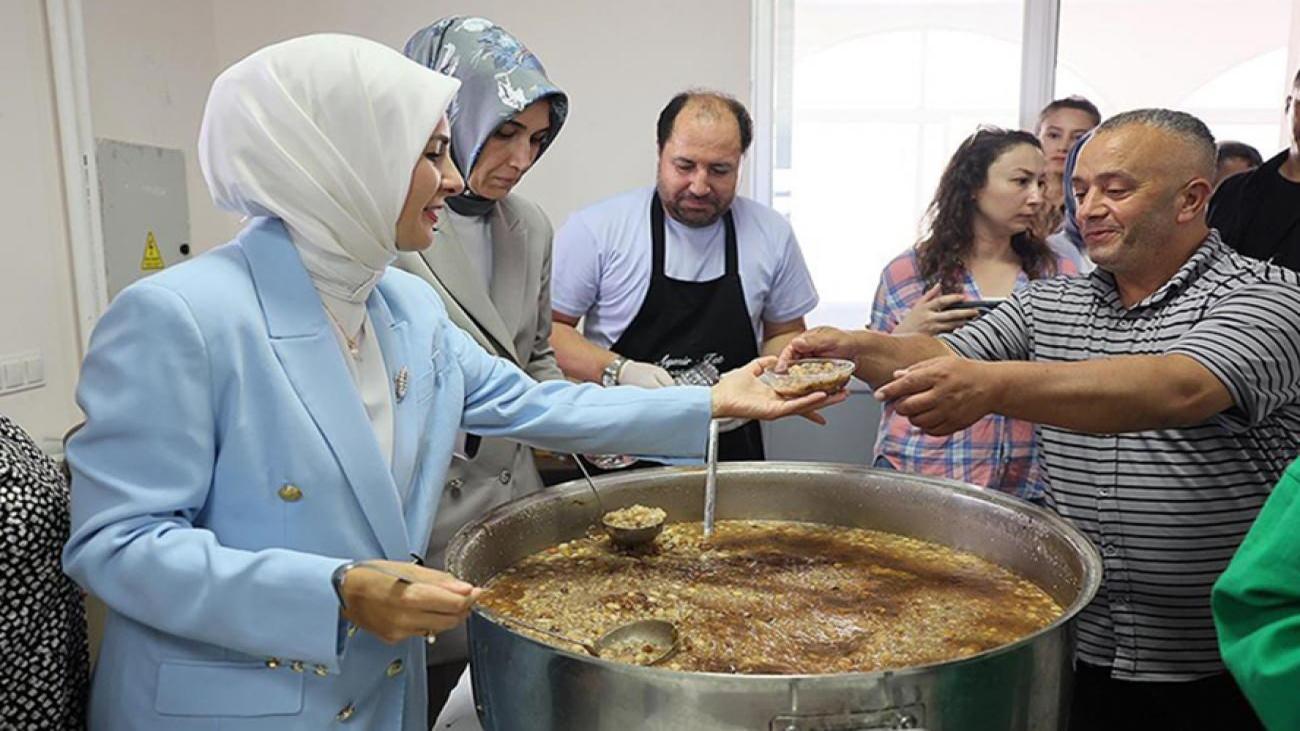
(578, 460)
(591, 650)
(711, 479)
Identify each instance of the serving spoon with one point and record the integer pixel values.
(620, 535)
(657, 633)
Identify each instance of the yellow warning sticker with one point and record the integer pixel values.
(153, 260)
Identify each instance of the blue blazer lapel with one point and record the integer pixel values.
(309, 352)
(407, 423)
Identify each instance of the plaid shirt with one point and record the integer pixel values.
(995, 451)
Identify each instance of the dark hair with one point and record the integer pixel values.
(950, 218)
(1182, 125)
(1241, 150)
(1077, 103)
(668, 117)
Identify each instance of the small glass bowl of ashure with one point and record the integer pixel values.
(810, 375)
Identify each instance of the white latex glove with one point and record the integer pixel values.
(645, 375)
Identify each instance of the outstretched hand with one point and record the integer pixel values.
(741, 394)
(819, 342)
(942, 395)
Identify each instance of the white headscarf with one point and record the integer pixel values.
(323, 132)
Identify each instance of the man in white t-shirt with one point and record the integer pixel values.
(683, 280)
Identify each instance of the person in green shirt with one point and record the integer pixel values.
(1257, 608)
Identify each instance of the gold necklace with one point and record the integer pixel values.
(354, 346)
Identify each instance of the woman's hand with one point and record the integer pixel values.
(929, 317)
(739, 394)
(392, 610)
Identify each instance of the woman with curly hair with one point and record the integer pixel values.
(980, 246)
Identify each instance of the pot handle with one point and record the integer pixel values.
(902, 717)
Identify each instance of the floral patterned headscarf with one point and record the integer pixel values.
(499, 79)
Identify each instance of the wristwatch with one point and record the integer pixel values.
(609, 376)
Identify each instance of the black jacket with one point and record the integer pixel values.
(1235, 205)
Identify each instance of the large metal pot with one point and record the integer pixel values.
(521, 684)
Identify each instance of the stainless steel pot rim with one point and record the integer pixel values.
(576, 489)
(756, 677)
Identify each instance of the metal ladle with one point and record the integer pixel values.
(620, 535)
(657, 633)
(711, 480)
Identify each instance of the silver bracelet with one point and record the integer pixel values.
(336, 579)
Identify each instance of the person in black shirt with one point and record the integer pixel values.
(1258, 212)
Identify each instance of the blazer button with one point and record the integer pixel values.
(272, 662)
(346, 712)
(296, 666)
(454, 486)
(290, 493)
(394, 668)
(321, 670)
(352, 630)
(504, 477)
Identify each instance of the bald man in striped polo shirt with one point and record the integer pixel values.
(1166, 386)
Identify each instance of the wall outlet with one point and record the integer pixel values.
(21, 372)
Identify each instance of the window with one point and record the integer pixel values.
(879, 94)
(1225, 63)
(869, 98)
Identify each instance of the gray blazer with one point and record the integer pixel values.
(511, 320)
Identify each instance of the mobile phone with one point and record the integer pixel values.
(984, 306)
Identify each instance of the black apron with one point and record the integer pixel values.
(686, 327)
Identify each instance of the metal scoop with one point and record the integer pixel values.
(658, 634)
(621, 536)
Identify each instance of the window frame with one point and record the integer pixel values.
(1038, 44)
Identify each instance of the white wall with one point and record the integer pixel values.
(36, 295)
(152, 63)
(619, 61)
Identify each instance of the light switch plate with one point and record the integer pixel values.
(21, 371)
(14, 375)
(35, 367)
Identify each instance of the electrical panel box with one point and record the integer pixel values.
(145, 211)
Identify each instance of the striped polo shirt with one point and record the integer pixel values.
(1167, 507)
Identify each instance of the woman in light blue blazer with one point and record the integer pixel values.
(266, 416)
